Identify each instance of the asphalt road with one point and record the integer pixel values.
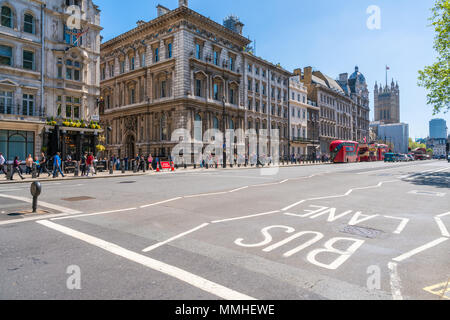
(353, 231)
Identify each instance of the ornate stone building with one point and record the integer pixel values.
(335, 108)
(181, 70)
(355, 86)
(44, 73)
(298, 118)
(387, 103)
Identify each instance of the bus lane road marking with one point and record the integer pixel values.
(169, 270)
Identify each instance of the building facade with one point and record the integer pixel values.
(438, 129)
(298, 118)
(46, 73)
(182, 70)
(396, 134)
(387, 103)
(355, 86)
(335, 108)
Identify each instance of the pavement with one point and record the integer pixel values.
(363, 231)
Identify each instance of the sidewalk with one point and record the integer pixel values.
(118, 173)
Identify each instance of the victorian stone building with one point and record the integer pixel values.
(335, 108)
(46, 72)
(182, 70)
(298, 101)
(355, 87)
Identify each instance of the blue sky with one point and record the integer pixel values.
(329, 35)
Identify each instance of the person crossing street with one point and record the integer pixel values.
(43, 165)
(57, 165)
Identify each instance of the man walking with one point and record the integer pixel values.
(43, 165)
(90, 164)
(16, 168)
(57, 165)
(83, 164)
(2, 164)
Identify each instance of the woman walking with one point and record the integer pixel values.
(16, 168)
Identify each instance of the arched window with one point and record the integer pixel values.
(28, 23)
(7, 17)
(198, 128)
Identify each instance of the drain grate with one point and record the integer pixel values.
(363, 232)
(75, 199)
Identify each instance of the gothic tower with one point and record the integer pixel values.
(387, 103)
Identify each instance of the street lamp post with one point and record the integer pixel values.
(224, 135)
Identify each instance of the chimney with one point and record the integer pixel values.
(308, 75)
(239, 27)
(298, 72)
(183, 3)
(162, 10)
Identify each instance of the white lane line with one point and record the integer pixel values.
(161, 202)
(388, 169)
(42, 204)
(205, 194)
(416, 251)
(401, 226)
(441, 224)
(172, 271)
(246, 217)
(238, 189)
(395, 281)
(350, 191)
(2, 223)
(159, 244)
(93, 214)
(10, 190)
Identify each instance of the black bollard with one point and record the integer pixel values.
(35, 189)
(111, 168)
(76, 171)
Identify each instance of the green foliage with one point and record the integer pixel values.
(436, 78)
(414, 145)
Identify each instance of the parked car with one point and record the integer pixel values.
(448, 158)
(390, 157)
(403, 158)
(410, 157)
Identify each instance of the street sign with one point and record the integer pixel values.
(95, 118)
(165, 165)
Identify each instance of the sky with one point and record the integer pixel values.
(331, 36)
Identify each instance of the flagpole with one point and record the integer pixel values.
(386, 74)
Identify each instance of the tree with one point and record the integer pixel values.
(436, 78)
(414, 145)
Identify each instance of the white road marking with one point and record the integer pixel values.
(93, 214)
(441, 224)
(172, 271)
(395, 281)
(159, 244)
(161, 202)
(42, 204)
(246, 217)
(350, 191)
(2, 223)
(416, 251)
(238, 189)
(401, 226)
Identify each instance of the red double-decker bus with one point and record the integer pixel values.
(382, 150)
(344, 151)
(364, 155)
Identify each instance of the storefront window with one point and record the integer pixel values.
(16, 143)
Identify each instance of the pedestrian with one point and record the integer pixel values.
(28, 164)
(150, 162)
(57, 165)
(83, 164)
(43, 165)
(16, 168)
(90, 165)
(36, 161)
(2, 164)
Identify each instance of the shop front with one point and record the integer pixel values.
(70, 141)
